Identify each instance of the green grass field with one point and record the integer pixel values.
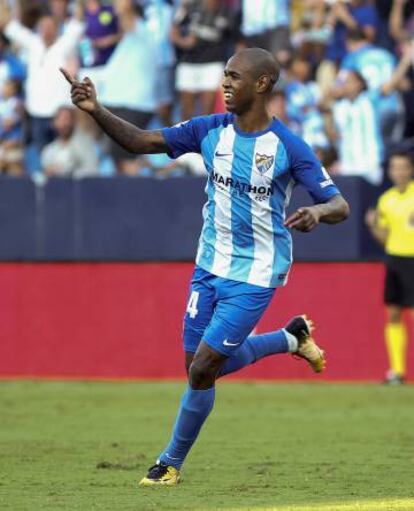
(83, 446)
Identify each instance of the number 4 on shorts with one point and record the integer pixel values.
(192, 304)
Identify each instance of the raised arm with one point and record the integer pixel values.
(396, 23)
(305, 219)
(5, 13)
(125, 134)
(13, 28)
(341, 13)
(401, 70)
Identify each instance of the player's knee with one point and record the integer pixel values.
(201, 375)
(394, 314)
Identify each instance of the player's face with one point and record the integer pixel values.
(238, 86)
(400, 170)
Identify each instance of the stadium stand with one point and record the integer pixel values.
(186, 36)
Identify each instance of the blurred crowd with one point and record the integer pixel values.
(346, 84)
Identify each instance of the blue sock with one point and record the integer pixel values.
(256, 347)
(194, 410)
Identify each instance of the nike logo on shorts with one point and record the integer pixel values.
(227, 343)
(219, 155)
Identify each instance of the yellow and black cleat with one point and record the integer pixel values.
(162, 475)
(301, 327)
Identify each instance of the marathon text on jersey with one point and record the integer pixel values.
(241, 187)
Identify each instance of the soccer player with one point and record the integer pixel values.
(244, 252)
(392, 224)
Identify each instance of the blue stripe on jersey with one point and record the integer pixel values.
(241, 214)
(207, 239)
(281, 235)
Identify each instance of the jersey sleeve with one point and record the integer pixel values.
(185, 137)
(307, 171)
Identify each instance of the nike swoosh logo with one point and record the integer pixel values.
(227, 343)
(219, 155)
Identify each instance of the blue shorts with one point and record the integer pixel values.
(222, 312)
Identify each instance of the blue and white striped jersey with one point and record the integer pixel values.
(250, 179)
(360, 144)
(377, 66)
(302, 107)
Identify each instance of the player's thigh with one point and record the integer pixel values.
(392, 284)
(406, 275)
(399, 281)
(199, 311)
(236, 316)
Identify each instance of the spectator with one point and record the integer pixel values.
(313, 34)
(356, 118)
(303, 97)
(277, 107)
(11, 67)
(201, 33)
(159, 14)
(72, 153)
(377, 66)
(265, 23)
(392, 224)
(346, 16)
(358, 137)
(46, 51)
(190, 164)
(11, 132)
(100, 39)
(129, 78)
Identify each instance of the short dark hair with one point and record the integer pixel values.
(356, 34)
(263, 63)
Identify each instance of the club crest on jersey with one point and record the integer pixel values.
(263, 162)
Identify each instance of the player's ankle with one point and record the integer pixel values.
(293, 342)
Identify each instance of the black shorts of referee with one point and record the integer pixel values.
(399, 281)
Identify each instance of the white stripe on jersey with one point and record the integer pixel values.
(261, 270)
(359, 143)
(222, 163)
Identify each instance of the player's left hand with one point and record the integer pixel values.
(304, 219)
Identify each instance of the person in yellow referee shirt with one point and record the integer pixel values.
(392, 224)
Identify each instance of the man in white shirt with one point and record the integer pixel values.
(45, 51)
(73, 152)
